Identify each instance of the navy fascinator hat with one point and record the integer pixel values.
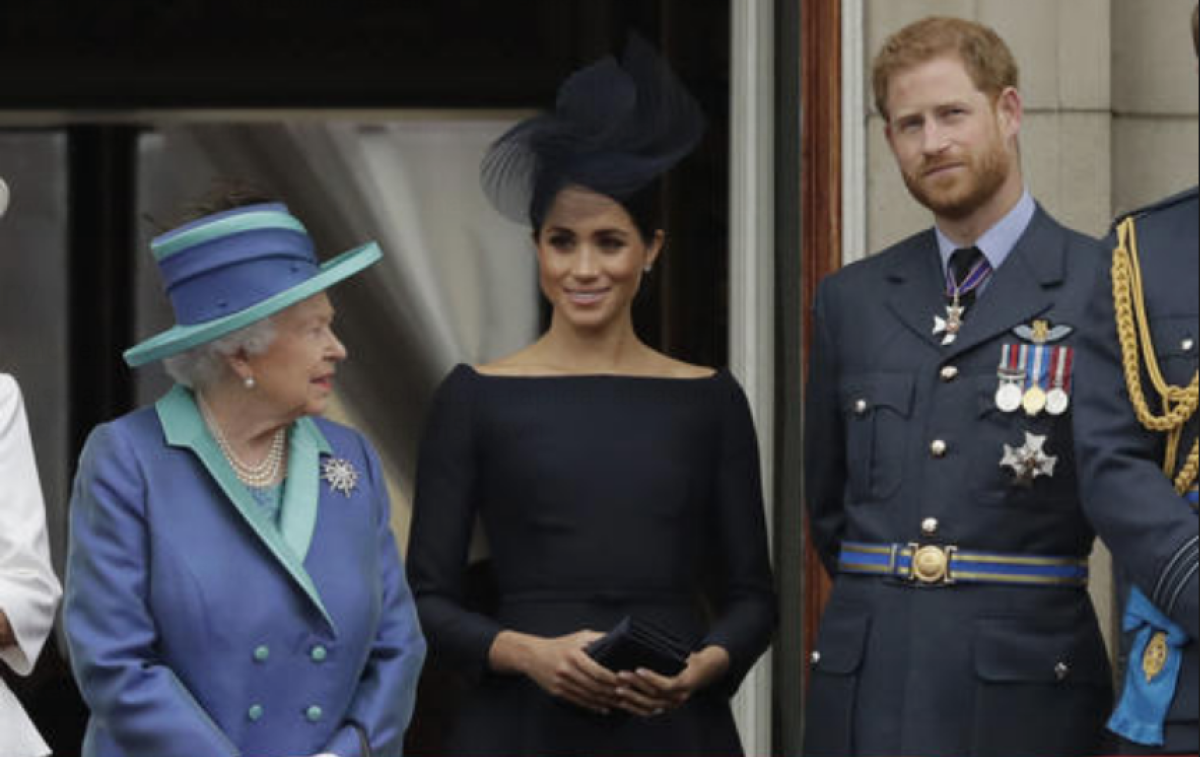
(615, 128)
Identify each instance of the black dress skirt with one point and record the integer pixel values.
(601, 497)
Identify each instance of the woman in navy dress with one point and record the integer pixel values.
(611, 480)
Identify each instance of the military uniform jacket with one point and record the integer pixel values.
(904, 441)
(1150, 530)
(198, 628)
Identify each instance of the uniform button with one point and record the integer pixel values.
(313, 714)
(860, 407)
(255, 712)
(938, 448)
(815, 657)
(261, 654)
(318, 653)
(949, 373)
(929, 526)
(1061, 671)
(1187, 345)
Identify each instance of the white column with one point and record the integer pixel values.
(854, 133)
(751, 281)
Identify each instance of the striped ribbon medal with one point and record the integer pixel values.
(1058, 398)
(1038, 363)
(1012, 378)
(949, 326)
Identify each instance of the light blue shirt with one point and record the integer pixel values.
(997, 242)
(270, 499)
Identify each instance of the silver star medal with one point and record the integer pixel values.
(340, 475)
(949, 326)
(1030, 460)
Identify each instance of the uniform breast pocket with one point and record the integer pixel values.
(1176, 348)
(876, 409)
(1018, 459)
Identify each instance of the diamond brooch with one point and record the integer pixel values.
(340, 474)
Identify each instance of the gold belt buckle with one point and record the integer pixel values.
(931, 564)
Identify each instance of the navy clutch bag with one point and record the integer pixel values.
(635, 643)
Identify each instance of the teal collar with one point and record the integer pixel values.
(289, 543)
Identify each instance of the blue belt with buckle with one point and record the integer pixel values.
(946, 564)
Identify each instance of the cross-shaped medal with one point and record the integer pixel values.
(948, 327)
(1029, 460)
(960, 288)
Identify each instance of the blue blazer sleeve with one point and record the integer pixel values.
(1131, 503)
(383, 703)
(443, 516)
(824, 440)
(745, 619)
(112, 635)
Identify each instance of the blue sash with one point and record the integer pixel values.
(1149, 681)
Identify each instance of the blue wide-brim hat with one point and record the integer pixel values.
(228, 270)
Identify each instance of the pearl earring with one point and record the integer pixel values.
(249, 382)
(648, 269)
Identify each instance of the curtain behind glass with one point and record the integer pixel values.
(457, 283)
(34, 308)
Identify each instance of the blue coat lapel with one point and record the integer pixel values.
(298, 518)
(918, 287)
(183, 426)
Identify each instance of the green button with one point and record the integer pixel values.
(319, 653)
(255, 712)
(313, 714)
(262, 653)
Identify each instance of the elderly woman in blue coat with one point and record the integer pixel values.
(233, 586)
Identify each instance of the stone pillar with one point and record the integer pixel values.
(1154, 95)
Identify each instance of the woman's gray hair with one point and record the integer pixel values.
(203, 365)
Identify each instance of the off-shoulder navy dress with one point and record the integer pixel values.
(601, 496)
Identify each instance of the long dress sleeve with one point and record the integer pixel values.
(386, 694)
(29, 590)
(746, 616)
(444, 510)
(110, 629)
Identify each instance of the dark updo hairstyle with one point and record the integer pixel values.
(643, 206)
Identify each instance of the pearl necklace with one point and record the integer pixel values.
(263, 474)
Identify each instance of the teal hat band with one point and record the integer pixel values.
(206, 230)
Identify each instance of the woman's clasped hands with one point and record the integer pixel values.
(562, 667)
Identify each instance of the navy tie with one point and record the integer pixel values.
(966, 274)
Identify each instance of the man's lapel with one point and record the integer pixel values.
(917, 292)
(1020, 290)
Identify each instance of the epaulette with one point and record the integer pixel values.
(1154, 207)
